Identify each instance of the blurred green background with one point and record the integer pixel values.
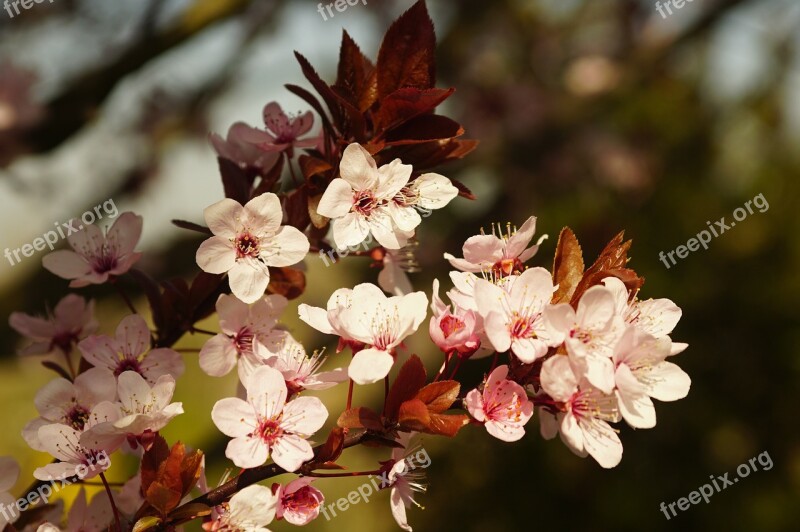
(601, 115)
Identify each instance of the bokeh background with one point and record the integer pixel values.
(601, 115)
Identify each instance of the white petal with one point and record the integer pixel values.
(216, 255)
(370, 365)
(337, 199)
(558, 379)
(358, 168)
(435, 191)
(223, 217)
(264, 213)
(667, 382)
(248, 280)
(350, 230)
(289, 246)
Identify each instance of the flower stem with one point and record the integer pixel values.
(342, 475)
(111, 500)
(124, 297)
(203, 331)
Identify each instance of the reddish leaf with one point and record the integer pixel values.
(49, 364)
(311, 100)
(567, 266)
(360, 417)
(404, 104)
(406, 57)
(270, 179)
(191, 468)
(463, 190)
(152, 460)
(296, 206)
(287, 282)
(357, 74)
(414, 415)
(332, 449)
(151, 289)
(447, 425)
(317, 220)
(311, 166)
(610, 263)
(408, 383)
(162, 498)
(234, 180)
(424, 128)
(439, 396)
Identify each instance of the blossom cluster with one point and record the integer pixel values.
(575, 345)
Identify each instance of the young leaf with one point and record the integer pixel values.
(234, 180)
(414, 415)
(447, 425)
(408, 383)
(357, 74)
(332, 449)
(567, 266)
(287, 282)
(406, 57)
(439, 396)
(360, 417)
(610, 263)
(424, 128)
(404, 104)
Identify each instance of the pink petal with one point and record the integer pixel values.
(304, 415)
(291, 451)
(218, 356)
(247, 452)
(233, 314)
(248, 280)
(223, 217)
(264, 213)
(337, 200)
(234, 417)
(370, 365)
(125, 233)
(266, 391)
(288, 247)
(358, 168)
(133, 335)
(66, 264)
(215, 255)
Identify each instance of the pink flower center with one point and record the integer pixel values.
(302, 501)
(506, 267)
(64, 341)
(581, 335)
(450, 325)
(246, 246)
(244, 340)
(522, 327)
(128, 364)
(506, 410)
(77, 417)
(106, 261)
(270, 431)
(364, 202)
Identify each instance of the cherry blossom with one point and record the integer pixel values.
(426, 193)
(240, 148)
(503, 252)
(249, 510)
(129, 350)
(300, 371)
(245, 329)
(379, 322)
(404, 480)
(283, 131)
(393, 278)
(583, 416)
(247, 240)
(503, 406)
(298, 502)
(142, 409)
(9, 473)
(513, 318)
(642, 372)
(453, 329)
(328, 320)
(361, 201)
(61, 401)
(74, 458)
(656, 317)
(589, 333)
(92, 517)
(96, 257)
(266, 425)
(71, 320)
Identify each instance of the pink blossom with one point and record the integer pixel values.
(267, 425)
(71, 321)
(300, 371)
(502, 253)
(249, 510)
(9, 474)
(96, 257)
(283, 131)
(642, 372)
(583, 419)
(393, 278)
(513, 317)
(453, 330)
(368, 316)
(404, 480)
(74, 458)
(240, 148)
(245, 330)
(299, 502)
(503, 406)
(61, 401)
(142, 409)
(589, 334)
(130, 350)
(247, 240)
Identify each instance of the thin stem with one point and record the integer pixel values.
(494, 361)
(203, 331)
(124, 297)
(70, 367)
(456, 368)
(385, 388)
(291, 169)
(350, 395)
(348, 474)
(113, 504)
(443, 369)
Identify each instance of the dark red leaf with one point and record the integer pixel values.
(332, 449)
(235, 180)
(414, 415)
(404, 104)
(296, 206)
(407, 54)
(153, 294)
(463, 190)
(610, 263)
(152, 460)
(312, 100)
(424, 129)
(447, 425)
(357, 74)
(268, 181)
(408, 383)
(439, 396)
(360, 418)
(52, 366)
(287, 282)
(567, 266)
(311, 166)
